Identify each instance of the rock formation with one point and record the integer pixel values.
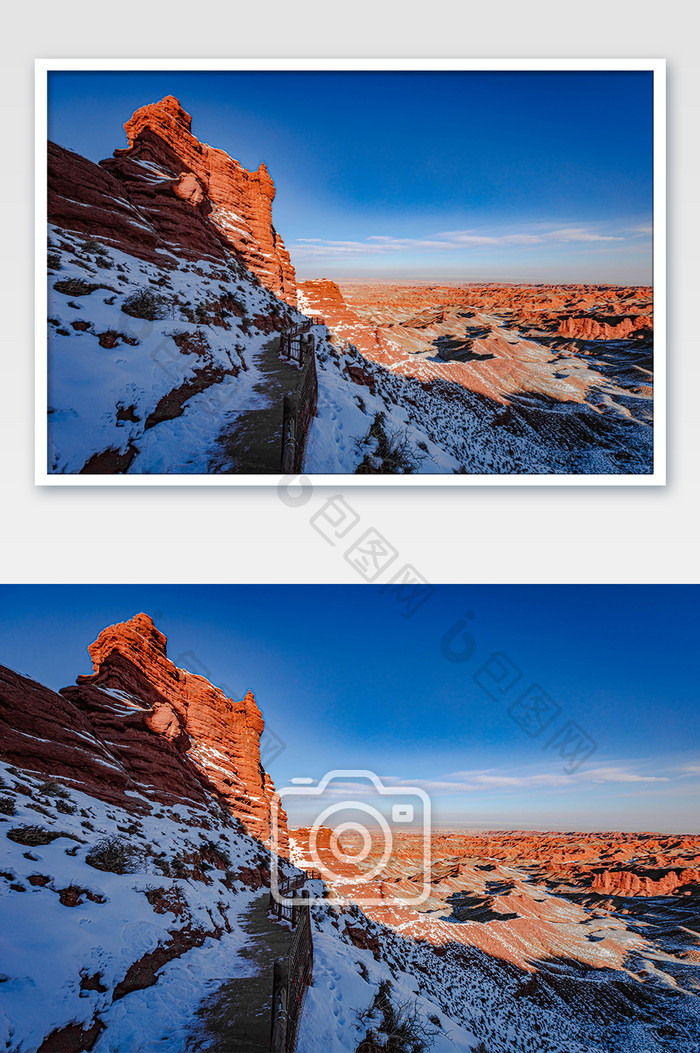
(583, 327)
(504, 342)
(140, 724)
(168, 195)
(240, 202)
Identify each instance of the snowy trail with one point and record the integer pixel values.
(236, 1018)
(254, 442)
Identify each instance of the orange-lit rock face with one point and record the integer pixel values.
(523, 896)
(168, 197)
(241, 201)
(223, 735)
(140, 723)
(500, 341)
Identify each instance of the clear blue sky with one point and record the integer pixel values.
(347, 682)
(518, 176)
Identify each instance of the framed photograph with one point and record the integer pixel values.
(218, 825)
(368, 271)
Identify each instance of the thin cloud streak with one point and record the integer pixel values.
(447, 241)
(465, 782)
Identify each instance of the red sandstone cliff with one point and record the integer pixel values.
(240, 201)
(167, 193)
(140, 724)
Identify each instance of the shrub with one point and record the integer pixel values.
(232, 303)
(53, 261)
(116, 855)
(215, 852)
(53, 788)
(92, 245)
(179, 866)
(162, 864)
(402, 1024)
(144, 303)
(7, 805)
(39, 808)
(79, 287)
(393, 453)
(33, 835)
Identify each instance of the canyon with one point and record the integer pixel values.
(526, 895)
(135, 843)
(569, 360)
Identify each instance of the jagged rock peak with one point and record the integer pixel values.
(241, 201)
(167, 112)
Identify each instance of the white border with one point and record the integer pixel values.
(657, 66)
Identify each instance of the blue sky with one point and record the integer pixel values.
(543, 176)
(347, 682)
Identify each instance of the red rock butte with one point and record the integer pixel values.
(197, 200)
(138, 724)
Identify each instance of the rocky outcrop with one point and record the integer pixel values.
(588, 328)
(42, 731)
(238, 202)
(130, 210)
(323, 297)
(140, 724)
(629, 883)
(168, 197)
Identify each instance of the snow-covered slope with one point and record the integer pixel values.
(149, 394)
(81, 946)
(154, 395)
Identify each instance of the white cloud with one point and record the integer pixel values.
(690, 770)
(444, 241)
(483, 781)
(619, 775)
(579, 234)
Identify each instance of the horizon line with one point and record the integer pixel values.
(407, 280)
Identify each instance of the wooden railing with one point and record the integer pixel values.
(286, 889)
(292, 975)
(291, 340)
(301, 405)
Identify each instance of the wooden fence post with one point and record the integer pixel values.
(278, 1036)
(289, 434)
(301, 405)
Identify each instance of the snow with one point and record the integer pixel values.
(45, 946)
(339, 992)
(345, 413)
(100, 398)
(88, 384)
(466, 995)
